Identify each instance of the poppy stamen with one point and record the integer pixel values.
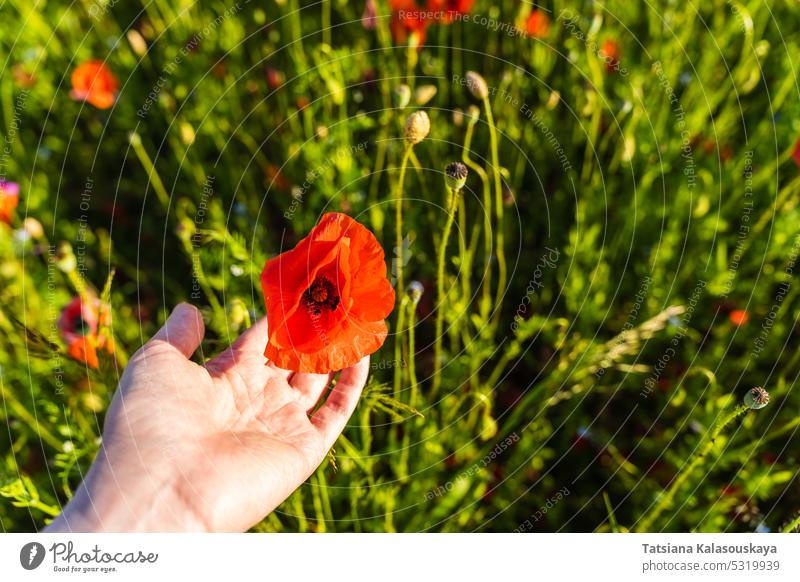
(321, 294)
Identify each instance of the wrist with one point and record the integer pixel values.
(113, 499)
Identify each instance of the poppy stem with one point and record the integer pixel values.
(398, 217)
(440, 291)
(412, 366)
(487, 215)
(398, 263)
(697, 457)
(498, 186)
(398, 348)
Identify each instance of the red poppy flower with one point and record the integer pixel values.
(796, 152)
(93, 82)
(538, 24)
(81, 326)
(9, 198)
(327, 298)
(738, 317)
(610, 53)
(450, 9)
(408, 20)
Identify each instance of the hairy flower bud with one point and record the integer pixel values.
(455, 175)
(415, 290)
(477, 85)
(424, 93)
(402, 96)
(33, 227)
(418, 126)
(65, 257)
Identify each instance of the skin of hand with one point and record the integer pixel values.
(207, 448)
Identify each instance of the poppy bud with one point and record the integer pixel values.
(33, 227)
(756, 398)
(415, 290)
(458, 117)
(473, 112)
(424, 93)
(455, 175)
(137, 42)
(238, 314)
(402, 96)
(418, 126)
(65, 258)
(477, 85)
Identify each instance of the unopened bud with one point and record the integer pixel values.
(418, 126)
(415, 290)
(65, 258)
(477, 85)
(424, 93)
(402, 96)
(33, 227)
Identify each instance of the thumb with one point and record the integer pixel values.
(183, 330)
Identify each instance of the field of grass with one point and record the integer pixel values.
(620, 273)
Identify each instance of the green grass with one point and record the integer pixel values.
(638, 208)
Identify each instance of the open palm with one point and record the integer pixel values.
(212, 447)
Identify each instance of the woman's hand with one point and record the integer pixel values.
(215, 448)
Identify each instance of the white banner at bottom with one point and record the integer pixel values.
(400, 557)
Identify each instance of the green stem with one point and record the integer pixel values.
(398, 217)
(440, 288)
(412, 366)
(399, 261)
(487, 216)
(498, 187)
(694, 461)
(326, 22)
(792, 525)
(152, 174)
(398, 347)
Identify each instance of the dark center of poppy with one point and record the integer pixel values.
(321, 295)
(81, 326)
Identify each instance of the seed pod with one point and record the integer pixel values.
(418, 126)
(477, 85)
(756, 398)
(455, 175)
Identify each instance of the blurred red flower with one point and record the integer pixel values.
(538, 24)
(738, 317)
(9, 198)
(796, 153)
(450, 9)
(408, 20)
(81, 325)
(610, 53)
(369, 16)
(94, 83)
(327, 298)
